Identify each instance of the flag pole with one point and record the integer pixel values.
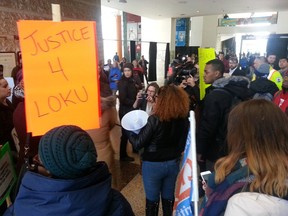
(195, 197)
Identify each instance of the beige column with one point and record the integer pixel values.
(119, 36)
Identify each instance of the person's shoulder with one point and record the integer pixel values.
(218, 92)
(153, 119)
(239, 72)
(252, 203)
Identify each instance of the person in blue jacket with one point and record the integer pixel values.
(69, 181)
(114, 77)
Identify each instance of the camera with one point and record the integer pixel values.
(144, 95)
(182, 74)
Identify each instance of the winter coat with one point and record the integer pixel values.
(263, 85)
(6, 124)
(211, 135)
(114, 77)
(101, 136)
(238, 72)
(161, 140)
(281, 100)
(219, 193)
(256, 204)
(90, 195)
(127, 95)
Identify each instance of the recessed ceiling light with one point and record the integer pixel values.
(197, 11)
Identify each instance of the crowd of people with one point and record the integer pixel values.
(241, 137)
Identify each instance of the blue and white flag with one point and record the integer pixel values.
(187, 188)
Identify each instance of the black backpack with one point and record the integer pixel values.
(235, 99)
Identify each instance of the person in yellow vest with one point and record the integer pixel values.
(261, 69)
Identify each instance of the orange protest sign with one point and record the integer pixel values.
(60, 74)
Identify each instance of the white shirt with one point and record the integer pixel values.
(232, 71)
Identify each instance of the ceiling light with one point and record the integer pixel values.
(122, 1)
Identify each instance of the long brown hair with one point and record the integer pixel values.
(258, 130)
(172, 103)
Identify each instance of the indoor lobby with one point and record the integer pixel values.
(158, 28)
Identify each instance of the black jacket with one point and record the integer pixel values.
(263, 85)
(239, 72)
(161, 140)
(211, 136)
(127, 95)
(6, 124)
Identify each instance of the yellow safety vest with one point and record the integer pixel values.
(276, 77)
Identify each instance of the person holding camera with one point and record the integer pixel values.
(190, 86)
(146, 100)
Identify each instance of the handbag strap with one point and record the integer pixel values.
(26, 151)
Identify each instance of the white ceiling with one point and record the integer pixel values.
(159, 9)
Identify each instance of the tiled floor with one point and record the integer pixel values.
(126, 176)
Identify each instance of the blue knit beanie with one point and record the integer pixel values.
(67, 152)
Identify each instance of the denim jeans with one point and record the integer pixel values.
(160, 178)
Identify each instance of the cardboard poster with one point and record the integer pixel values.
(7, 173)
(60, 74)
(205, 55)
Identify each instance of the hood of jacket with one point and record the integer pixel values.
(89, 195)
(237, 85)
(263, 85)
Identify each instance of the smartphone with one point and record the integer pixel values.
(205, 175)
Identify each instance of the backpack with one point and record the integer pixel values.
(235, 100)
(267, 96)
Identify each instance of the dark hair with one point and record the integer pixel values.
(217, 65)
(129, 65)
(283, 58)
(271, 53)
(155, 85)
(1, 67)
(234, 59)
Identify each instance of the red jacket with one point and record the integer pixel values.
(281, 100)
